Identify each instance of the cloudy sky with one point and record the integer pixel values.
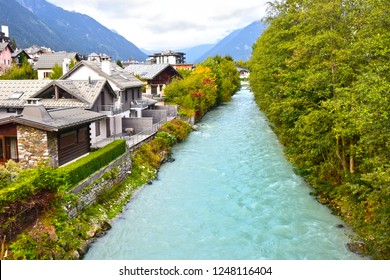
(170, 24)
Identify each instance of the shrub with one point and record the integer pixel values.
(9, 173)
(178, 128)
(170, 139)
(31, 181)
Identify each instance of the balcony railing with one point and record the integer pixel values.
(140, 104)
(111, 109)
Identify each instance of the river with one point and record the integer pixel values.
(229, 194)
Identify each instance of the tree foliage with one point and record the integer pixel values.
(24, 71)
(210, 84)
(56, 72)
(321, 74)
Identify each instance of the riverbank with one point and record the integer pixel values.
(229, 194)
(56, 236)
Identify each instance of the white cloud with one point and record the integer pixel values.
(170, 24)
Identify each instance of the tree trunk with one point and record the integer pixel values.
(351, 159)
(341, 155)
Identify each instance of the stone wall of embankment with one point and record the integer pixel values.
(89, 190)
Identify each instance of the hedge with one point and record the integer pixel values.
(32, 181)
(84, 167)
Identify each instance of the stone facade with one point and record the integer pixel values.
(52, 141)
(33, 145)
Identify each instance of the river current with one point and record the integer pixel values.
(229, 194)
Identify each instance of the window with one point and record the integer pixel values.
(11, 110)
(83, 134)
(97, 128)
(102, 99)
(68, 139)
(12, 148)
(16, 95)
(1, 148)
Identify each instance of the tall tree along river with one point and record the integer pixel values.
(230, 194)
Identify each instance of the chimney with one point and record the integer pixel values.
(34, 108)
(65, 66)
(106, 67)
(5, 30)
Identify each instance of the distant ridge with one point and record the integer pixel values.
(37, 22)
(195, 52)
(237, 44)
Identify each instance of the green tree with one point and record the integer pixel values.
(24, 71)
(227, 76)
(320, 72)
(119, 63)
(56, 72)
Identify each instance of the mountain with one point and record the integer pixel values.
(37, 22)
(193, 53)
(237, 44)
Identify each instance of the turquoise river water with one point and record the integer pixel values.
(229, 194)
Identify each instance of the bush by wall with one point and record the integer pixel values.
(177, 128)
(44, 178)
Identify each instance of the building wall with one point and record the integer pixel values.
(157, 115)
(32, 146)
(52, 141)
(44, 74)
(138, 124)
(5, 60)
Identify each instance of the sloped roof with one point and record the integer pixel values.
(60, 119)
(85, 93)
(118, 76)
(147, 71)
(14, 93)
(4, 45)
(48, 60)
(18, 52)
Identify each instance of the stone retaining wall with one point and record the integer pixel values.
(106, 178)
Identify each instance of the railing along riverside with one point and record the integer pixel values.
(133, 140)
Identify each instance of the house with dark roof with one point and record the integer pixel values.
(157, 76)
(127, 87)
(137, 112)
(19, 55)
(99, 57)
(47, 61)
(5, 57)
(37, 134)
(36, 51)
(244, 73)
(91, 95)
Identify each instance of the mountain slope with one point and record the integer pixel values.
(42, 23)
(237, 44)
(24, 26)
(193, 53)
